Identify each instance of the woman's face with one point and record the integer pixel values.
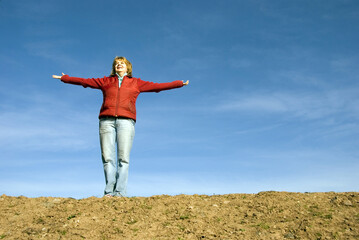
(120, 66)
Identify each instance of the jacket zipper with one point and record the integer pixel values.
(117, 94)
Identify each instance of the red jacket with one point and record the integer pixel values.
(120, 102)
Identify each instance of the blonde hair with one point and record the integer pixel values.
(128, 64)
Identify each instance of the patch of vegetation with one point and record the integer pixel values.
(357, 217)
(184, 217)
(318, 236)
(132, 221)
(104, 237)
(71, 217)
(40, 221)
(263, 226)
(62, 232)
(335, 235)
(167, 211)
(165, 224)
(181, 227)
(145, 206)
(314, 211)
(328, 216)
(317, 214)
(2, 236)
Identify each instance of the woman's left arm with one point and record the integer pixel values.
(145, 86)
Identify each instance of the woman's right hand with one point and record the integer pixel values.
(185, 83)
(58, 77)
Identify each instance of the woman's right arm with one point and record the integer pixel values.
(85, 82)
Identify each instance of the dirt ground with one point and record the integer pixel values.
(266, 215)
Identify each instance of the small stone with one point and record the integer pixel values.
(289, 235)
(347, 203)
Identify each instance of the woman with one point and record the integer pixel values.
(118, 118)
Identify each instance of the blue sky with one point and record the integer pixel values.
(272, 104)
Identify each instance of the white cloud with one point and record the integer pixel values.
(240, 63)
(306, 105)
(347, 64)
(256, 103)
(148, 184)
(50, 188)
(257, 129)
(54, 50)
(292, 179)
(299, 78)
(22, 9)
(42, 122)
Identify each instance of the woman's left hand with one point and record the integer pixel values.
(185, 83)
(58, 77)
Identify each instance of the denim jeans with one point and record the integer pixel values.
(116, 133)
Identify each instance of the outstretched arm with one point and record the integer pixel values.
(85, 82)
(146, 86)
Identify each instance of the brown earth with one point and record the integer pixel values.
(266, 215)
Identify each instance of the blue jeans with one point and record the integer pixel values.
(116, 133)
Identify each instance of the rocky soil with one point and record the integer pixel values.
(266, 215)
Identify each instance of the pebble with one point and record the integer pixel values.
(289, 235)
